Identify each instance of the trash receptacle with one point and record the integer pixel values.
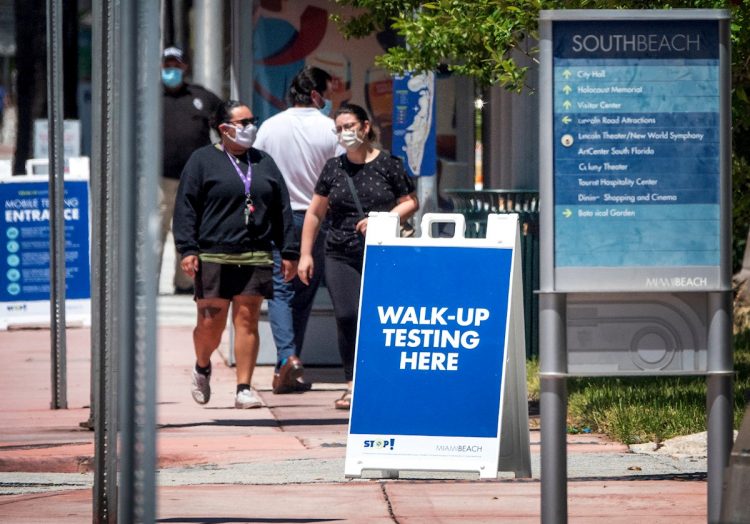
(475, 206)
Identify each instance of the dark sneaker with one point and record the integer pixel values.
(201, 389)
(285, 381)
(299, 386)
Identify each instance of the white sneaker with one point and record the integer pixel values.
(247, 399)
(201, 389)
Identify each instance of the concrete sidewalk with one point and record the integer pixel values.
(285, 462)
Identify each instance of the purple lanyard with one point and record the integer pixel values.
(247, 178)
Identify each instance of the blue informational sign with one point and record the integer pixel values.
(637, 154)
(414, 129)
(431, 342)
(439, 377)
(24, 250)
(433, 339)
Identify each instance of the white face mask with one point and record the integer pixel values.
(350, 139)
(244, 136)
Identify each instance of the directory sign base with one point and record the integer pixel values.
(637, 334)
(437, 333)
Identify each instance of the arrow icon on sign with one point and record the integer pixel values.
(567, 213)
(567, 104)
(566, 119)
(567, 73)
(567, 89)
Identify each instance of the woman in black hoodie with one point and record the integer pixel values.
(232, 208)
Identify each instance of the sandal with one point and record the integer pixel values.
(345, 402)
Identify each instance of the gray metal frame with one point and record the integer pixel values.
(57, 206)
(138, 114)
(241, 36)
(103, 265)
(554, 368)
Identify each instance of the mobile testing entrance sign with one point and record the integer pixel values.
(24, 251)
(440, 379)
(635, 179)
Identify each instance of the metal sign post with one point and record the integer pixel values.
(104, 313)
(56, 204)
(139, 160)
(635, 190)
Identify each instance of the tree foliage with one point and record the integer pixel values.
(490, 40)
(483, 39)
(476, 39)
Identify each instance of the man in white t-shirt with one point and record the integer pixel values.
(300, 140)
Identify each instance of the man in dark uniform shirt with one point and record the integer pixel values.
(187, 111)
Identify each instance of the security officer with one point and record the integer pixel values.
(187, 111)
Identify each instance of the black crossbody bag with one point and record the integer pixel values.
(405, 230)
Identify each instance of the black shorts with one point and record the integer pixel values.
(229, 280)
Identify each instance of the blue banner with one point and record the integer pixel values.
(414, 130)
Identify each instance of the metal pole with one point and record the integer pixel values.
(140, 161)
(240, 81)
(56, 203)
(552, 322)
(719, 397)
(427, 194)
(180, 27)
(103, 315)
(720, 362)
(553, 407)
(208, 65)
(241, 68)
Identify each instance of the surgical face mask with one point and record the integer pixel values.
(244, 136)
(327, 106)
(171, 76)
(349, 139)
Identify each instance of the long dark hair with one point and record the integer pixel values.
(223, 113)
(308, 80)
(360, 114)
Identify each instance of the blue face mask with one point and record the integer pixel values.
(327, 106)
(171, 76)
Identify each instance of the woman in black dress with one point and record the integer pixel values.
(380, 183)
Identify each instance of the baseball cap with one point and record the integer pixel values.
(173, 52)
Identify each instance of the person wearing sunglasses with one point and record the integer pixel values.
(232, 209)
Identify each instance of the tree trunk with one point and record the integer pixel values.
(70, 58)
(31, 67)
(31, 45)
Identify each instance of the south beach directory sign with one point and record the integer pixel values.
(635, 179)
(639, 150)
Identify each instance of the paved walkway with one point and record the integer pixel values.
(285, 462)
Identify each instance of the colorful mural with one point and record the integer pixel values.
(291, 34)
